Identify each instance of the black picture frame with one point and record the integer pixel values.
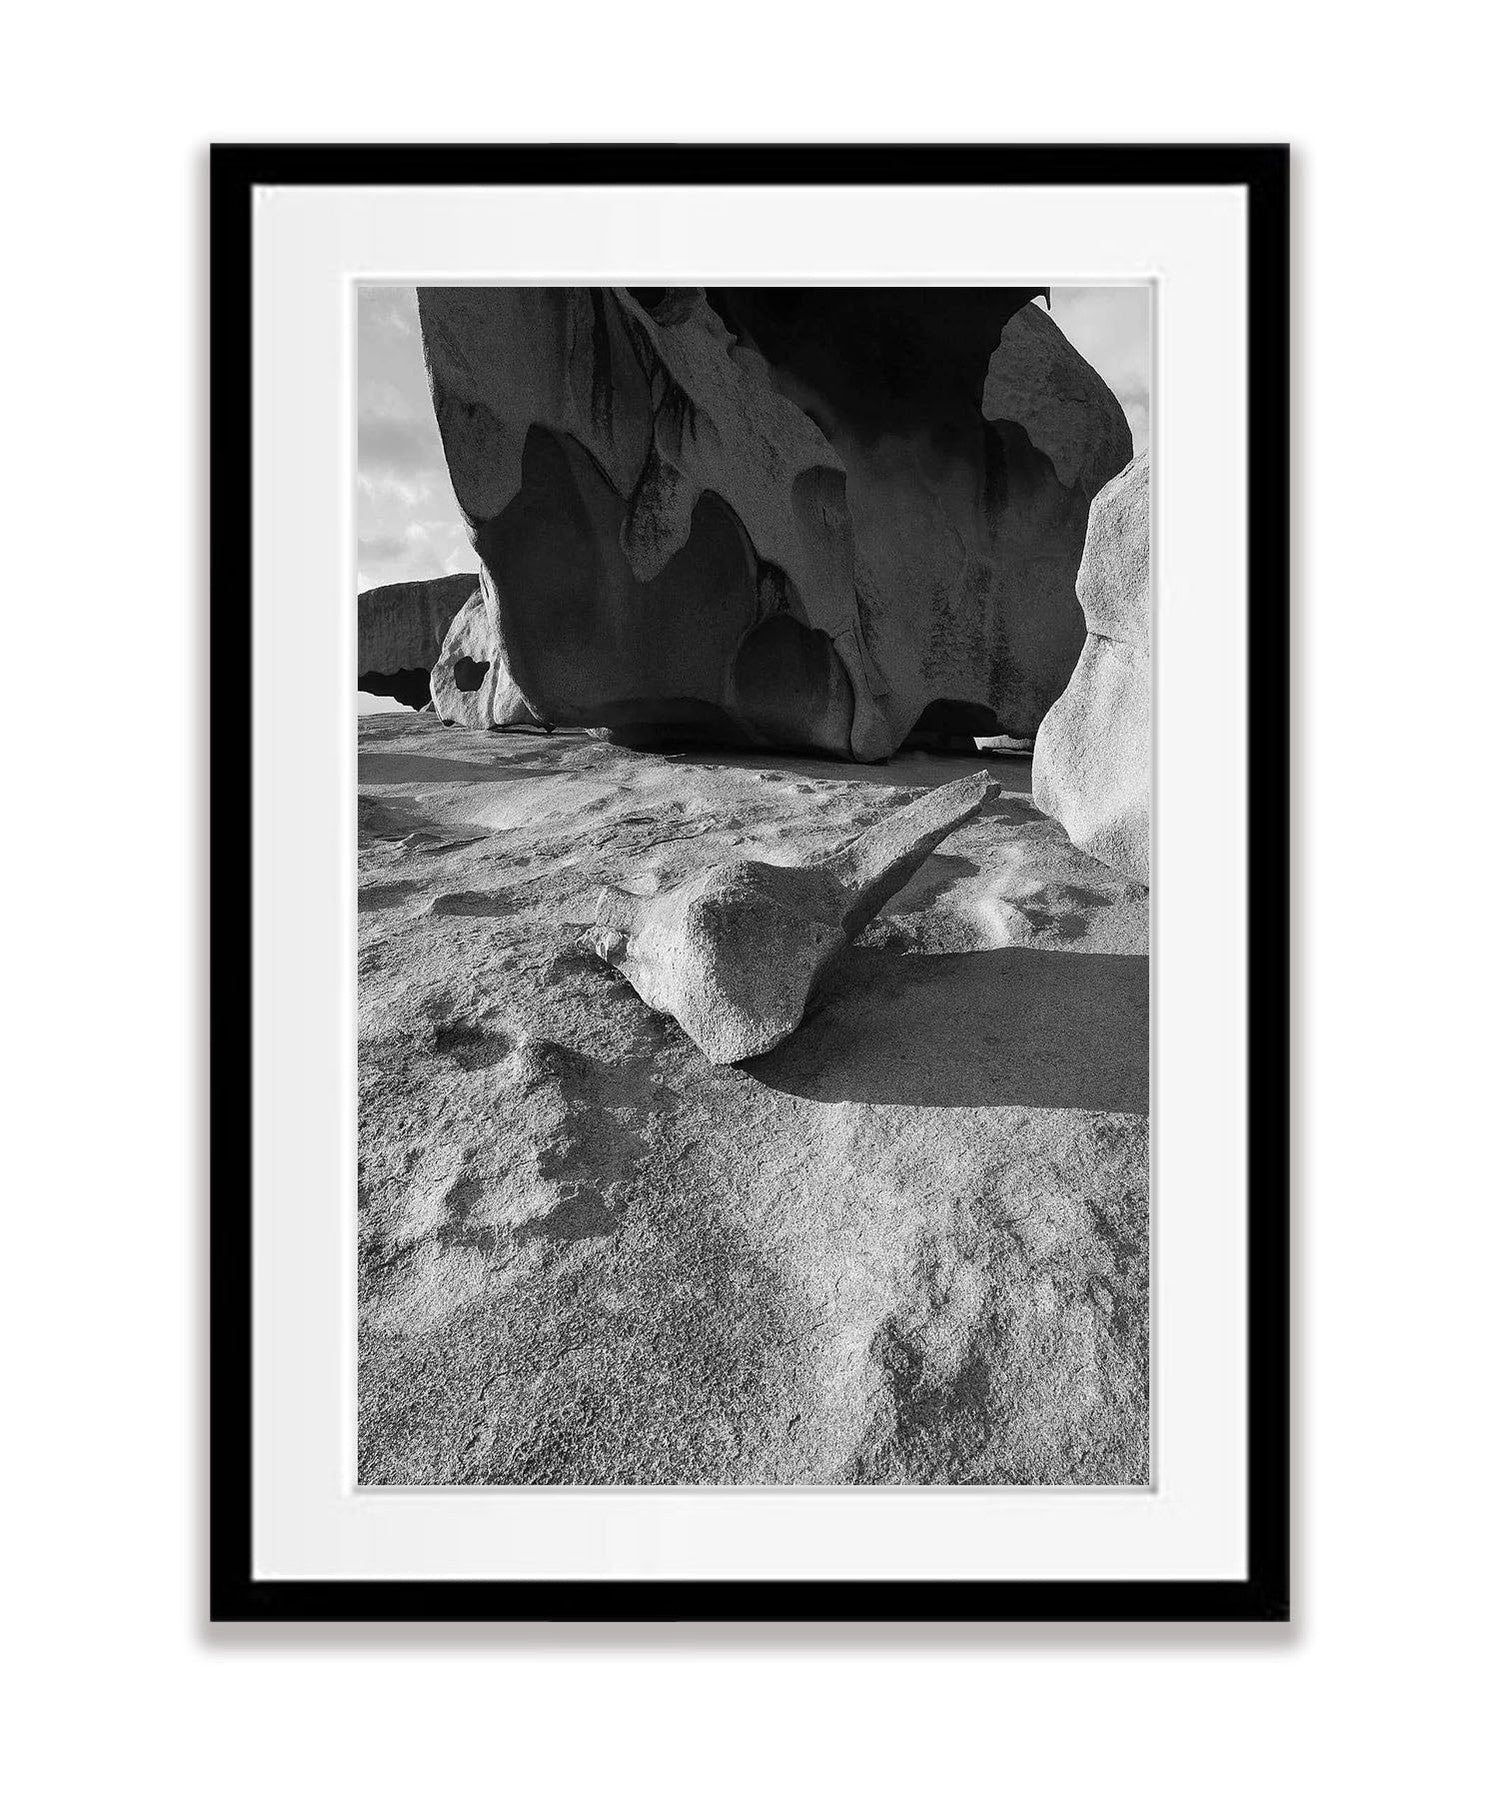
(235, 1594)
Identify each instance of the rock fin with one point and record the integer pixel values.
(879, 862)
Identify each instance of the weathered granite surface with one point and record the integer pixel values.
(909, 1244)
(1092, 768)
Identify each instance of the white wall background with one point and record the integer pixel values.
(1384, 1684)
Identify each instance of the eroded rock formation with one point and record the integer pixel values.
(816, 518)
(401, 631)
(1092, 763)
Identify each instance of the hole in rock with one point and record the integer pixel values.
(468, 675)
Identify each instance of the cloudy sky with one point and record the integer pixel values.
(409, 528)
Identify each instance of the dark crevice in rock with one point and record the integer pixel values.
(411, 686)
(955, 718)
(885, 359)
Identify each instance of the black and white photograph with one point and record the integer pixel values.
(734, 1062)
(754, 862)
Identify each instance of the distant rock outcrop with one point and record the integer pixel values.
(818, 518)
(1092, 762)
(401, 632)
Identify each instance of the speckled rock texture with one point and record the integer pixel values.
(401, 631)
(470, 682)
(1064, 406)
(908, 1245)
(734, 951)
(819, 518)
(1092, 761)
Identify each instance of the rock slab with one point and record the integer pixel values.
(909, 1245)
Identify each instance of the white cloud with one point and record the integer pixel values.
(1111, 327)
(387, 311)
(412, 490)
(382, 400)
(386, 442)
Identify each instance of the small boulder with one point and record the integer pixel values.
(734, 952)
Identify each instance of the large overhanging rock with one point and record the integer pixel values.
(402, 627)
(1092, 762)
(816, 518)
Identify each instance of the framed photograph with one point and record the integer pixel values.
(750, 883)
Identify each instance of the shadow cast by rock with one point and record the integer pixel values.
(580, 1216)
(939, 874)
(907, 769)
(390, 768)
(1001, 1027)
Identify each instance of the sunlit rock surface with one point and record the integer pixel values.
(1092, 759)
(910, 1244)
